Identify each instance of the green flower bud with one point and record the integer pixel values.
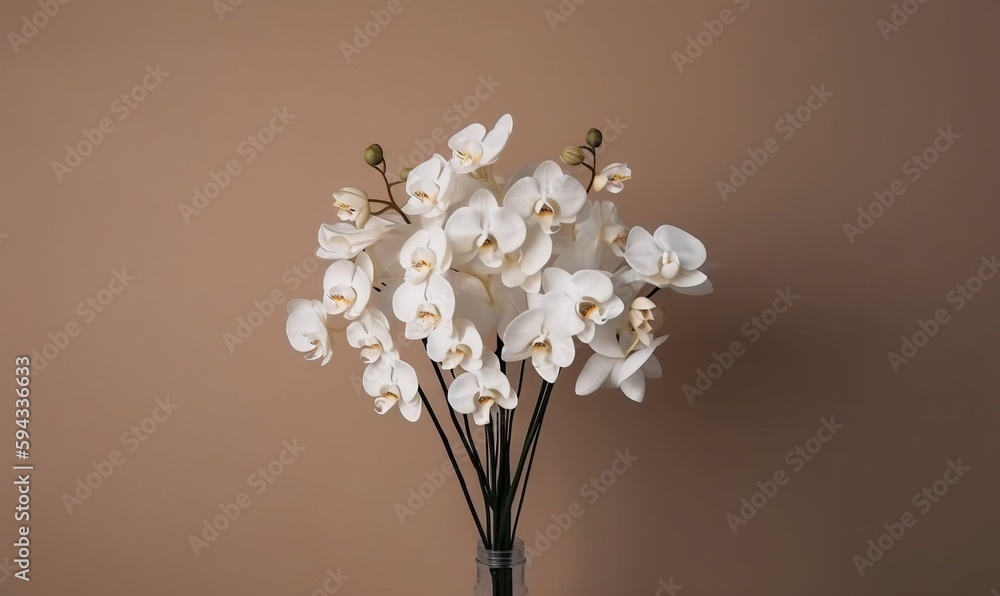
(373, 155)
(405, 173)
(594, 138)
(572, 155)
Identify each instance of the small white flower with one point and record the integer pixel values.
(427, 185)
(473, 147)
(485, 230)
(425, 252)
(456, 346)
(523, 267)
(589, 294)
(627, 372)
(393, 382)
(347, 286)
(669, 256)
(423, 307)
(476, 392)
(353, 205)
(307, 329)
(546, 335)
(344, 241)
(613, 177)
(548, 196)
(371, 334)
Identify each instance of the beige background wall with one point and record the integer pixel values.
(681, 129)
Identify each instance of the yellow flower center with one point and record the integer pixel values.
(586, 309)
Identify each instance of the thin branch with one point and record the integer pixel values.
(531, 461)
(454, 463)
(546, 390)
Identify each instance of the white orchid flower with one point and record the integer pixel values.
(344, 241)
(617, 335)
(640, 317)
(372, 335)
(473, 147)
(353, 205)
(347, 286)
(544, 333)
(549, 197)
(476, 392)
(393, 382)
(427, 184)
(668, 257)
(523, 267)
(626, 371)
(456, 346)
(484, 229)
(424, 253)
(589, 294)
(307, 329)
(598, 229)
(612, 176)
(423, 307)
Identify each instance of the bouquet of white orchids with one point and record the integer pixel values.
(487, 273)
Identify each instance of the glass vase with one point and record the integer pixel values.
(500, 572)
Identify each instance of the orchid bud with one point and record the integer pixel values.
(594, 138)
(572, 155)
(352, 204)
(404, 174)
(373, 155)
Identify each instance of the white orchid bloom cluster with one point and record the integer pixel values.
(534, 269)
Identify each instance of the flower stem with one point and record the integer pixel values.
(388, 188)
(505, 509)
(454, 464)
(531, 461)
